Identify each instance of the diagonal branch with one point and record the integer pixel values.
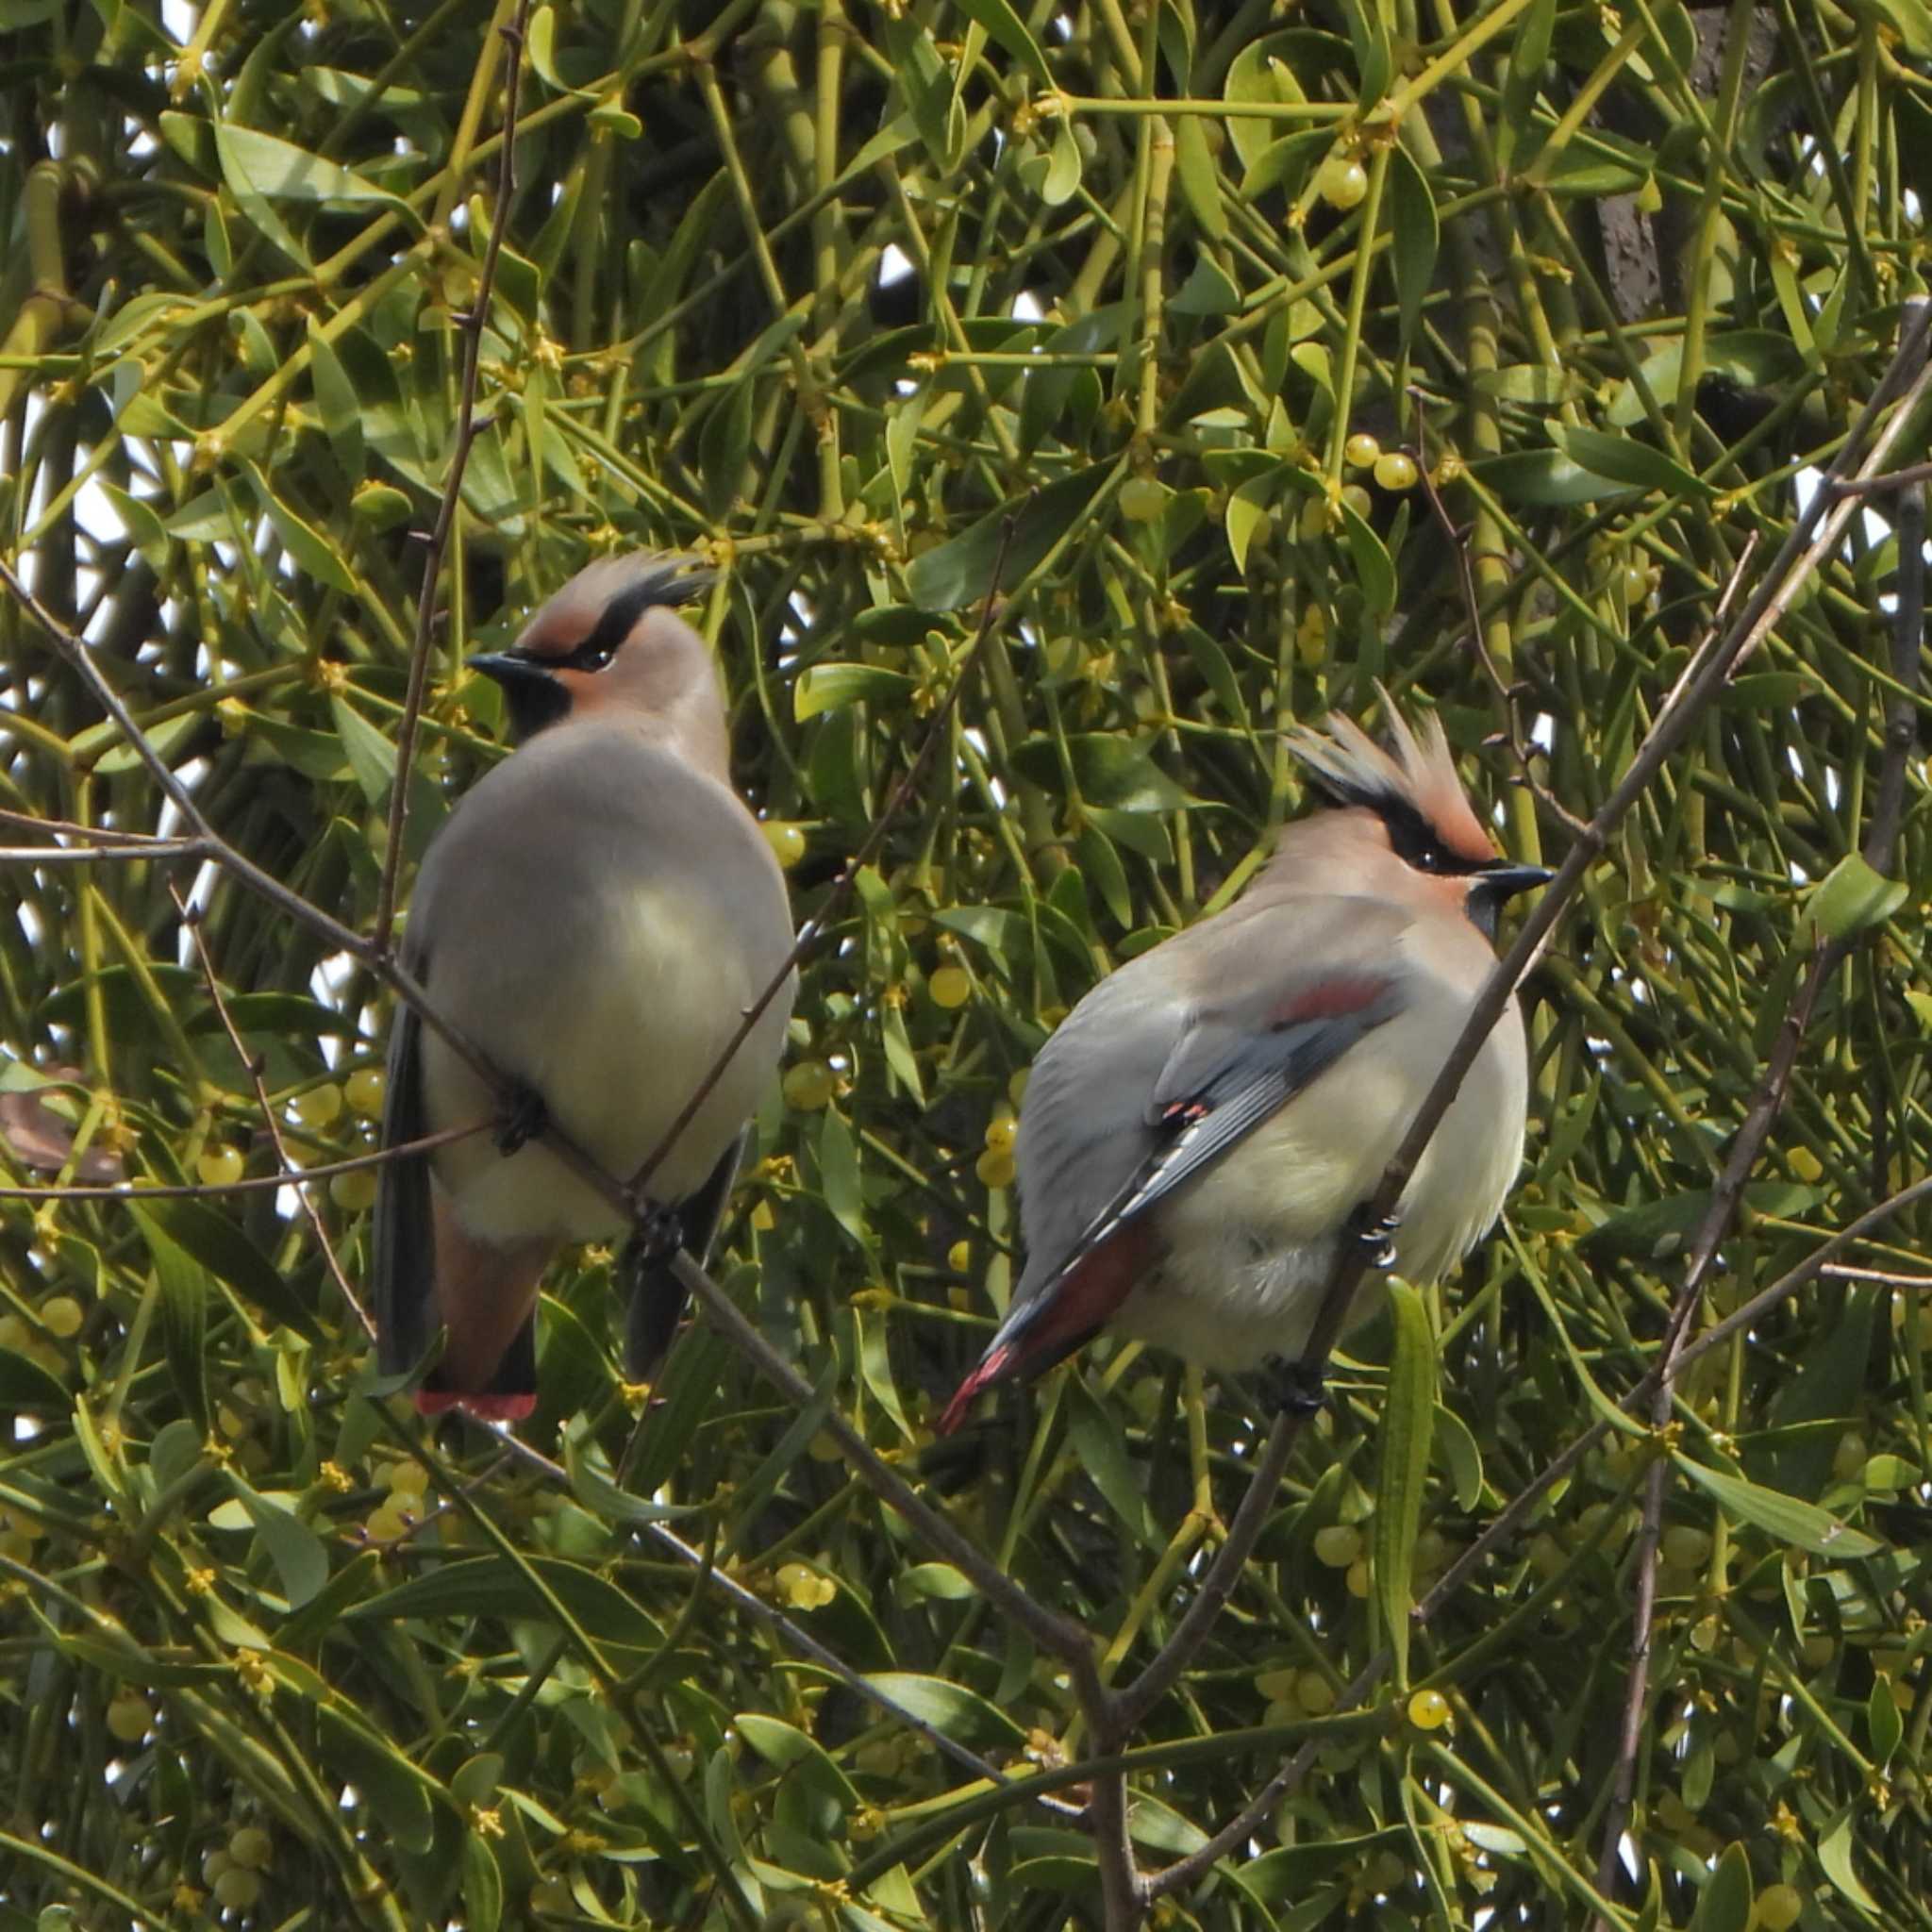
(1838, 506)
(814, 928)
(1815, 535)
(472, 322)
(1132, 1705)
(290, 1173)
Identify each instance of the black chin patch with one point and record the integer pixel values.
(534, 704)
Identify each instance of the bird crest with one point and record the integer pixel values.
(1417, 774)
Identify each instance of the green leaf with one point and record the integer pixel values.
(1101, 862)
(1532, 383)
(1724, 1903)
(960, 571)
(482, 1885)
(372, 756)
(308, 549)
(1799, 1526)
(1528, 51)
(1200, 180)
(1625, 461)
(337, 403)
(830, 686)
(1248, 511)
(1374, 60)
(1546, 479)
(1097, 1438)
(940, 1582)
(1110, 768)
(184, 1315)
(1910, 19)
(1287, 163)
(494, 1587)
(1402, 1471)
(264, 164)
(785, 1747)
(1415, 237)
(1206, 290)
(1375, 568)
(1006, 26)
(950, 1709)
(589, 1478)
(839, 1176)
(1061, 180)
(1835, 1855)
(1455, 1448)
(724, 447)
(1852, 898)
(142, 524)
(292, 1547)
(751, 1494)
(1883, 1724)
(393, 1789)
(207, 1233)
(1754, 358)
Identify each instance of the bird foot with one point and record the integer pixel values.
(1376, 1233)
(523, 1118)
(658, 1235)
(1292, 1388)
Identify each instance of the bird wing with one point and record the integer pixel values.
(1156, 1075)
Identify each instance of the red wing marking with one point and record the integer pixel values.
(1330, 999)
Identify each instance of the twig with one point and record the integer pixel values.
(1700, 684)
(79, 658)
(95, 855)
(72, 828)
(1065, 1638)
(1912, 474)
(248, 1184)
(754, 1607)
(1839, 1270)
(472, 323)
(1159, 1676)
(1473, 610)
(1745, 1313)
(814, 928)
(1241, 1826)
(190, 918)
(1768, 1103)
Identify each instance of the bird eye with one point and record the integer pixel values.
(590, 656)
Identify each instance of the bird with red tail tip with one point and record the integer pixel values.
(596, 916)
(1206, 1126)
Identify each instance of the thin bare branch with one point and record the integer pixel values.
(248, 1184)
(471, 322)
(190, 918)
(1909, 363)
(142, 850)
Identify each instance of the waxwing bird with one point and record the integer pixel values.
(596, 915)
(1207, 1126)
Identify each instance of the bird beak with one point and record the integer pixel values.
(510, 669)
(532, 696)
(1500, 882)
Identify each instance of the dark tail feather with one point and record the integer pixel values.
(655, 1294)
(1049, 1325)
(403, 1242)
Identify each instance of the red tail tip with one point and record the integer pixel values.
(486, 1409)
(990, 1371)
